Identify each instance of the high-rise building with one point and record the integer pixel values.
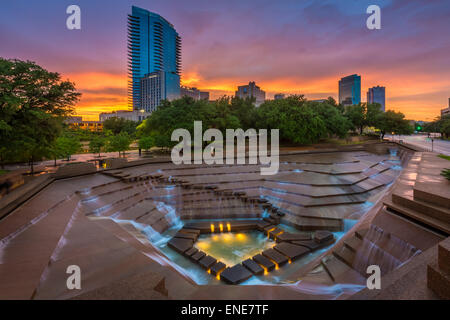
(446, 111)
(279, 96)
(251, 90)
(154, 48)
(194, 93)
(377, 95)
(350, 90)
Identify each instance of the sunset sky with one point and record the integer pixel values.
(285, 46)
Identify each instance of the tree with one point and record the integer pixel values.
(146, 142)
(119, 143)
(373, 111)
(356, 115)
(97, 144)
(335, 122)
(391, 121)
(66, 146)
(445, 128)
(33, 105)
(118, 125)
(297, 120)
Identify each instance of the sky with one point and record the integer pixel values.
(286, 46)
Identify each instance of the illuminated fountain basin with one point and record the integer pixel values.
(232, 248)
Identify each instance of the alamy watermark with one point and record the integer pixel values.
(73, 22)
(374, 280)
(213, 153)
(374, 20)
(73, 282)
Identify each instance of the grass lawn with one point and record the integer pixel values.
(3, 172)
(444, 157)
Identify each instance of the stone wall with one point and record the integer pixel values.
(75, 169)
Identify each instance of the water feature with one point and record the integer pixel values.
(383, 249)
(233, 248)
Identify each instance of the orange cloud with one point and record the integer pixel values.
(105, 92)
(101, 92)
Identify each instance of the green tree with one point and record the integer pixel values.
(119, 143)
(97, 144)
(356, 115)
(66, 146)
(373, 112)
(33, 105)
(335, 122)
(146, 142)
(445, 128)
(391, 121)
(118, 125)
(297, 121)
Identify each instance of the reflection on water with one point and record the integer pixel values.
(233, 248)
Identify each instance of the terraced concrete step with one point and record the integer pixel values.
(289, 237)
(235, 275)
(361, 233)
(345, 255)
(438, 280)
(291, 250)
(253, 266)
(275, 256)
(264, 262)
(217, 268)
(433, 210)
(340, 272)
(418, 216)
(353, 243)
(313, 224)
(435, 194)
(444, 255)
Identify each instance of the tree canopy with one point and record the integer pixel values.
(300, 121)
(391, 121)
(33, 105)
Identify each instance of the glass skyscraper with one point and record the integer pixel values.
(377, 95)
(154, 49)
(350, 90)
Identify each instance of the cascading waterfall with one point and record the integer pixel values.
(382, 249)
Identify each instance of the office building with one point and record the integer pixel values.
(135, 115)
(77, 122)
(154, 48)
(279, 96)
(377, 95)
(251, 90)
(350, 90)
(194, 93)
(446, 111)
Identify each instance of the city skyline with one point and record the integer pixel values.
(306, 50)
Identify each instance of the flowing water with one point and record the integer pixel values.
(383, 249)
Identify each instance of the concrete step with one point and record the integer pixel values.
(419, 216)
(345, 255)
(406, 199)
(436, 194)
(353, 243)
(438, 280)
(444, 255)
(361, 233)
(313, 224)
(340, 272)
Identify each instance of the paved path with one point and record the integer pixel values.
(422, 141)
